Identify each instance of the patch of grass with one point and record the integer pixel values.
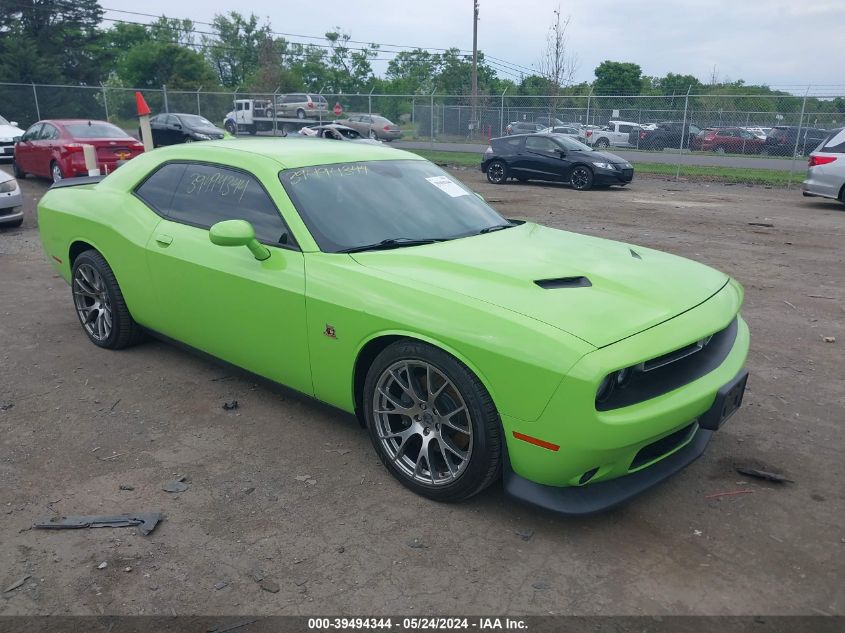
(770, 177)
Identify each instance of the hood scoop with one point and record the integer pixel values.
(564, 282)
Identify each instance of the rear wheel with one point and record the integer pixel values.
(602, 143)
(497, 172)
(581, 178)
(432, 422)
(231, 128)
(373, 134)
(719, 149)
(300, 114)
(19, 173)
(100, 305)
(56, 171)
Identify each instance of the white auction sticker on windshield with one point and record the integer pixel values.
(448, 185)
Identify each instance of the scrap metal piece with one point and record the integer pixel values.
(145, 522)
(763, 474)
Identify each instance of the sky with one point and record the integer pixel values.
(781, 43)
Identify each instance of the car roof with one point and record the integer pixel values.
(70, 121)
(288, 152)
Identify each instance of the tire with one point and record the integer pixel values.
(231, 128)
(466, 454)
(373, 135)
(719, 149)
(581, 178)
(842, 195)
(19, 174)
(269, 113)
(94, 287)
(300, 113)
(497, 173)
(56, 171)
(602, 143)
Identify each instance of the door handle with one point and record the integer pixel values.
(164, 240)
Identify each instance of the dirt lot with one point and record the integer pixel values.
(86, 421)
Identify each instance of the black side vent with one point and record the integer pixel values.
(564, 282)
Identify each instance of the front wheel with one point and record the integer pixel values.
(497, 173)
(19, 173)
(581, 178)
(231, 128)
(99, 303)
(432, 422)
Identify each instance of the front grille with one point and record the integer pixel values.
(627, 174)
(673, 370)
(662, 446)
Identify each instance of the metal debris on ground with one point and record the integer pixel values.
(525, 534)
(175, 486)
(766, 224)
(763, 474)
(339, 451)
(417, 544)
(829, 339)
(16, 584)
(102, 565)
(145, 522)
(229, 406)
(5, 405)
(268, 585)
(126, 487)
(220, 584)
(729, 493)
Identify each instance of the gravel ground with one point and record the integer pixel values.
(77, 423)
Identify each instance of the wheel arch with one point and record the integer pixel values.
(374, 345)
(78, 247)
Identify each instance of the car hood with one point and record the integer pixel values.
(630, 288)
(598, 157)
(9, 132)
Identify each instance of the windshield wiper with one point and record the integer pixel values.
(394, 242)
(495, 227)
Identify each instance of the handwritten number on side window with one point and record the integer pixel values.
(224, 185)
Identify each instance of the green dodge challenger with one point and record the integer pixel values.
(580, 370)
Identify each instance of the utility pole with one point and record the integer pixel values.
(474, 122)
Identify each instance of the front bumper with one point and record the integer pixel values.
(601, 496)
(10, 206)
(612, 176)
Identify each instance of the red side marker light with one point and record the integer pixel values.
(536, 441)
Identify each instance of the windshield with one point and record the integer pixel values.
(349, 205)
(95, 129)
(4, 121)
(195, 120)
(571, 144)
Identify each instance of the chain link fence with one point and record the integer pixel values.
(743, 137)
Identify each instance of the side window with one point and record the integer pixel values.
(248, 105)
(48, 133)
(835, 144)
(541, 144)
(514, 143)
(33, 132)
(207, 194)
(157, 190)
(239, 106)
(626, 128)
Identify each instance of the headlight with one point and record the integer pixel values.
(605, 165)
(202, 137)
(9, 185)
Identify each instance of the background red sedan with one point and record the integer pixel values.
(54, 148)
(730, 140)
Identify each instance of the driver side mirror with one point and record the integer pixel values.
(13, 123)
(561, 153)
(238, 233)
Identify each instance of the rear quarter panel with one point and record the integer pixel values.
(114, 223)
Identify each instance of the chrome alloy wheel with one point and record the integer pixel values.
(422, 422)
(56, 172)
(496, 172)
(92, 302)
(580, 177)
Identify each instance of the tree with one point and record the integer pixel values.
(557, 63)
(348, 69)
(618, 78)
(413, 71)
(234, 50)
(50, 41)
